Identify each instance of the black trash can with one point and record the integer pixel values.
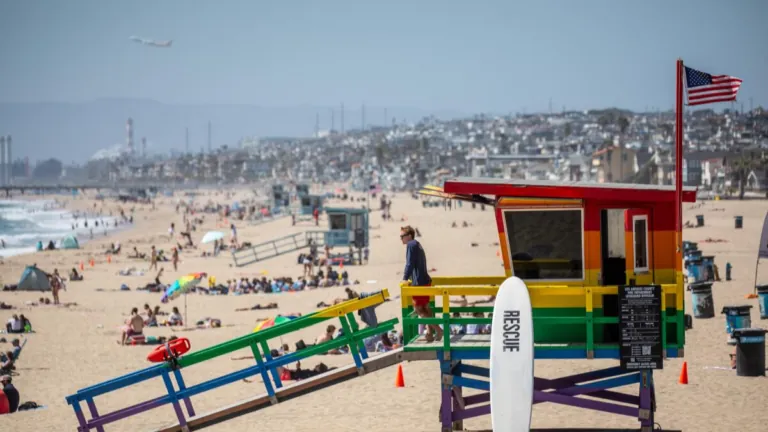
(750, 352)
(738, 222)
(699, 220)
(702, 302)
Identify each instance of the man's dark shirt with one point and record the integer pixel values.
(416, 264)
(13, 396)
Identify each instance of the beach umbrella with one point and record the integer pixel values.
(181, 286)
(212, 236)
(271, 322)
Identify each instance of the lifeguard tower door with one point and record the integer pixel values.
(639, 246)
(613, 247)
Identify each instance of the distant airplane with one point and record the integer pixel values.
(150, 42)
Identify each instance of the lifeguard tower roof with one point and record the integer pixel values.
(564, 189)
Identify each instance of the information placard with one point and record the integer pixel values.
(640, 327)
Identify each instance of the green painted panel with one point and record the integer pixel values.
(570, 329)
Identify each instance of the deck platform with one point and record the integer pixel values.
(294, 390)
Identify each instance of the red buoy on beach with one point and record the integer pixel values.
(169, 350)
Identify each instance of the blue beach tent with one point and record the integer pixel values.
(33, 279)
(70, 242)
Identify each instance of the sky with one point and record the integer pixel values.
(492, 56)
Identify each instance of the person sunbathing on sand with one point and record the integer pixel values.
(287, 374)
(136, 254)
(258, 306)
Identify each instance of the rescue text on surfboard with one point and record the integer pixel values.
(511, 330)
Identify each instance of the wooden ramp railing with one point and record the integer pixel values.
(277, 247)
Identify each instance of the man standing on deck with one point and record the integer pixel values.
(416, 271)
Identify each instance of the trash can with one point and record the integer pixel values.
(762, 300)
(694, 254)
(701, 299)
(708, 268)
(694, 270)
(750, 352)
(699, 220)
(737, 317)
(738, 222)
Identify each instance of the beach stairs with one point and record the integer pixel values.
(264, 219)
(277, 247)
(179, 394)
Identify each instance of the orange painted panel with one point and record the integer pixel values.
(664, 250)
(592, 252)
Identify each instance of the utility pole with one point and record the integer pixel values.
(317, 124)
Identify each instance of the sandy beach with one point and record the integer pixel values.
(74, 347)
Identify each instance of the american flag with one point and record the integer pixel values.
(704, 88)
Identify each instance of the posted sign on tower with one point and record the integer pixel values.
(640, 340)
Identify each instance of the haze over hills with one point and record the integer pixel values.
(75, 131)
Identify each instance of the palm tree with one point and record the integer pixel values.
(744, 165)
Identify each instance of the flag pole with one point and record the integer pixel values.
(679, 164)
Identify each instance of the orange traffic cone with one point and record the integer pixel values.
(82, 266)
(92, 262)
(399, 380)
(684, 374)
(109, 259)
(341, 265)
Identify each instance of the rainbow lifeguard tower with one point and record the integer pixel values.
(573, 244)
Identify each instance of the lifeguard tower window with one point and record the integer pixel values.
(640, 241)
(546, 244)
(337, 221)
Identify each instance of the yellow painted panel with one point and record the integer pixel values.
(537, 202)
(353, 305)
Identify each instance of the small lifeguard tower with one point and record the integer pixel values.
(575, 245)
(280, 198)
(347, 227)
(306, 204)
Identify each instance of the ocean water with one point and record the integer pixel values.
(24, 223)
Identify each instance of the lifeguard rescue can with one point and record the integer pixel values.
(738, 222)
(702, 301)
(699, 220)
(762, 300)
(737, 317)
(750, 352)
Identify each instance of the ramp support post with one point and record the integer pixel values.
(174, 399)
(182, 386)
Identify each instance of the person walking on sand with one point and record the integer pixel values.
(55, 287)
(233, 236)
(416, 273)
(175, 259)
(153, 259)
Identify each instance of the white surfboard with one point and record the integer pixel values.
(512, 358)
